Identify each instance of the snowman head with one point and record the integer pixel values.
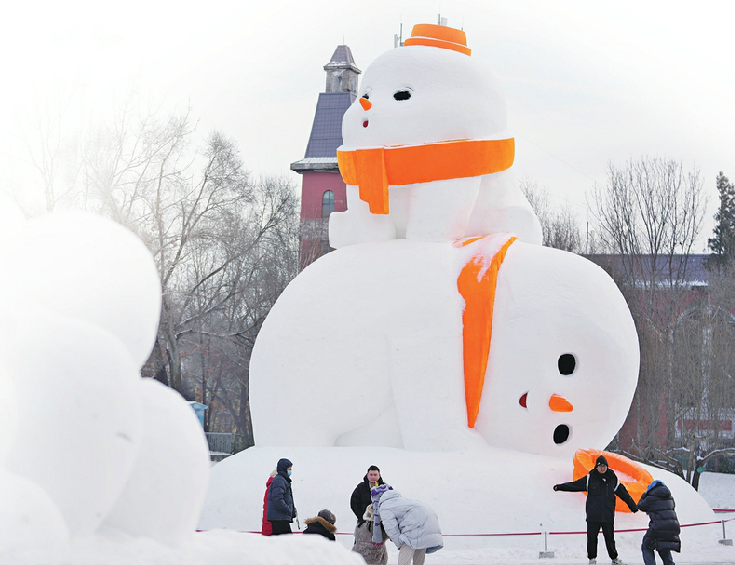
(564, 357)
(428, 91)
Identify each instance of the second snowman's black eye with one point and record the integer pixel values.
(402, 95)
(567, 364)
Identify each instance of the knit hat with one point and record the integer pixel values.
(380, 490)
(327, 515)
(601, 461)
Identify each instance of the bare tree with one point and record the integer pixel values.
(559, 225)
(225, 245)
(46, 167)
(650, 214)
(255, 281)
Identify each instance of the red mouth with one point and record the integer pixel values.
(365, 124)
(522, 400)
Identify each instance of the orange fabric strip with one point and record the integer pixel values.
(414, 164)
(478, 290)
(374, 186)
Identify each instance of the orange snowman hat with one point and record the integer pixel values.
(432, 35)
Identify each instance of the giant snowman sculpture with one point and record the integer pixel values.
(440, 340)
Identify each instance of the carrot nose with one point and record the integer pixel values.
(365, 103)
(560, 404)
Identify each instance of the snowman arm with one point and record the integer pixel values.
(575, 486)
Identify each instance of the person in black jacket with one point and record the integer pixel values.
(322, 524)
(601, 486)
(359, 502)
(281, 510)
(360, 498)
(663, 528)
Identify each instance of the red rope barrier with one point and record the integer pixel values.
(623, 531)
(628, 530)
(492, 535)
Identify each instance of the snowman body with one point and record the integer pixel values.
(366, 347)
(426, 99)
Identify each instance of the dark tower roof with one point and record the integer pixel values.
(326, 131)
(342, 59)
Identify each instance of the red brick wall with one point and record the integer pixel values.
(314, 185)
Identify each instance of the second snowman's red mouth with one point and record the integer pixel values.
(365, 124)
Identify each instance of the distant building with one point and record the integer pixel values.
(322, 189)
(669, 423)
(689, 270)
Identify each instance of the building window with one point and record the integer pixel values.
(327, 203)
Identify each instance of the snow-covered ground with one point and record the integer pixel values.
(718, 490)
(231, 497)
(228, 547)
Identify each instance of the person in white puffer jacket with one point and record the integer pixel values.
(411, 525)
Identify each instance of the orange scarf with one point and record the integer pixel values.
(372, 170)
(477, 283)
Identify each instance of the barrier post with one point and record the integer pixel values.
(546, 554)
(724, 540)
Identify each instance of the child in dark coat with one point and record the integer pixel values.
(322, 524)
(663, 528)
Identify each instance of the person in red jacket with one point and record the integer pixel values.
(267, 529)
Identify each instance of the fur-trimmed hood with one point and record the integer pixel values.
(331, 528)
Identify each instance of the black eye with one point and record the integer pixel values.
(366, 96)
(567, 363)
(402, 95)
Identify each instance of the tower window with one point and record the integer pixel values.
(327, 203)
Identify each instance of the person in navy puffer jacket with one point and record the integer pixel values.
(281, 510)
(663, 528)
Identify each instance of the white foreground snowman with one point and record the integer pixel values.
(87, 447)
(426, 151)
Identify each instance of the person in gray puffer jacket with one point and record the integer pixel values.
(411, 525)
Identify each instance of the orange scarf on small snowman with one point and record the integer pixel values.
(373, 170)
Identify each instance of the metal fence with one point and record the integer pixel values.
(228, 443)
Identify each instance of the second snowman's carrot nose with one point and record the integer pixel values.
(365, 103)
(560, 404)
